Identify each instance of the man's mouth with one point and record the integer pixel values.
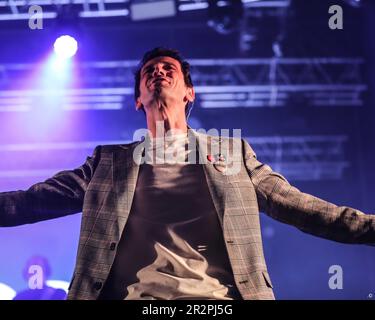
(158, 80)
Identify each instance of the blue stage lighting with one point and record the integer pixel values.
(65, 47)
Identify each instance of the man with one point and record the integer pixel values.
(157, 229)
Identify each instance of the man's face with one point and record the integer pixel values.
(162, 77)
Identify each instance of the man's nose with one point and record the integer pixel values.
(158, 70)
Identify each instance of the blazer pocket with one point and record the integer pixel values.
(267, 279)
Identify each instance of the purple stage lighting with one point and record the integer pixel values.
(65, 47)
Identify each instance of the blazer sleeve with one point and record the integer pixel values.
(58, 196)
(285, 203)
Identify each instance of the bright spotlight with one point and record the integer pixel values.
(6, 292)
(65, 47)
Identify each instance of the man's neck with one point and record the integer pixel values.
(162, 119)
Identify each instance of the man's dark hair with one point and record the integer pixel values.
(161, 52)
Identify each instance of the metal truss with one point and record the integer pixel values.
(19, 9)
(298, 158)
(310, 158)
(225, 83)
(278, 81)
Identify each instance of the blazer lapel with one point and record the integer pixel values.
(125, 174)
(216, 180)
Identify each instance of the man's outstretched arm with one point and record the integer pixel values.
(283, 202)
(58, 196)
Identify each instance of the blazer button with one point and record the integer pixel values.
(112, 246)
(98, 285)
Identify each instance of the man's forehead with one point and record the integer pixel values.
(166, 59)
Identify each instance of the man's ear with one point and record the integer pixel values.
(190, 94)
(138, 104)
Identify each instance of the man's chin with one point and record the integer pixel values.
(160, 93)
(159, 87)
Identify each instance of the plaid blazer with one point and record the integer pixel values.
(103, 188)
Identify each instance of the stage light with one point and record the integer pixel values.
(65, 47)
(145, 9)
(355, 3)
(224, 16)
(6, 292)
